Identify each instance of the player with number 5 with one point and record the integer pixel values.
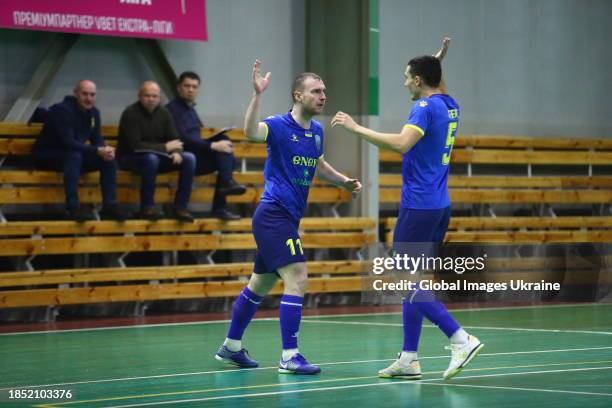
(425, 142)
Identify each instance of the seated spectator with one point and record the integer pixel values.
(213, 154)
(63, 146)
(149, 144)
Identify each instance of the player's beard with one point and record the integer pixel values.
(314, 110)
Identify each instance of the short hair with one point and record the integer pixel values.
(146, 83)
(428, 68)
(188, 74)
(298, 82)
(77, 87)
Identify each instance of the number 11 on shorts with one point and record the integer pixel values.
(291, 246)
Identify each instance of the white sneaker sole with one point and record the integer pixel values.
(285, 371)
(457, 370)
(225, 360)
(401, 376)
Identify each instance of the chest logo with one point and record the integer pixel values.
(294, 138)
(318, 142)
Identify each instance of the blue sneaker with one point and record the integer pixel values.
(297, 365)
(236, 358)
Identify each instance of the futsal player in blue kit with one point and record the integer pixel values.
(426, 142)
(295, 151)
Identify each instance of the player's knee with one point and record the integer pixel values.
(296, 281)
(261, 284)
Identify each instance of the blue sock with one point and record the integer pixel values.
(413, 321)
(244, 309)
(435, 311)
(290, 317)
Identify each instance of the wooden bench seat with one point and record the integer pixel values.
(162, 291)
(50, 228)
(108, 131)
(22, 147)
(163, 195)
(498, 156)
(256, 178)
(395, 180)
(501, 196)
(522, 229)
(496, 223)
(163, 282)
(145, 236)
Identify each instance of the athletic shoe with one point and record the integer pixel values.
(236, 358)
(411, 371)
(461, 355)
(297, 365)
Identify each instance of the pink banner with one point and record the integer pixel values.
(163, 19)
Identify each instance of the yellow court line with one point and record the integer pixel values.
(201, 391)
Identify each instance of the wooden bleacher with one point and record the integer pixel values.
(529, 230)
(17, 139)
(91, 285)
(145, 236)
(25, 186)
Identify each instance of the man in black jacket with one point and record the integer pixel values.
(70, 141)
(149, 144)
(213, 154)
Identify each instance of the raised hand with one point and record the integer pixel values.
(442, 52)
(260, 83)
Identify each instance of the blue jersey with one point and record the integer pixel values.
(425, 166)
(293, 154)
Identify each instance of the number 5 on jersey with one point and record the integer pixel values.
(450, 141)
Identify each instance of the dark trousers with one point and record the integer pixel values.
(148, 165)
(73, 164)
(209, 161)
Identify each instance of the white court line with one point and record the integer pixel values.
(275, 367)
(429, 326)
(521, 389)
(378, 384)
(137, 326)
(304, 383)
(141, 326)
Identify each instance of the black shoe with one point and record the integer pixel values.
(151, 214)
(112, 212)
(225, 214)
(183, 214)
(79, 215)
(231, 188)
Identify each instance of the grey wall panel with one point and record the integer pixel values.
(524, 67)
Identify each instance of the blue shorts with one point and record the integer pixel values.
(418, 232)
(421, 225)
(277, 238)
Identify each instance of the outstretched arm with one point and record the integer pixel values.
(327, 173)
(442, 52)
(440, 55)
(397, 142)
(255, 130)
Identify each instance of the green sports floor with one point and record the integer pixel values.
(555, 356)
